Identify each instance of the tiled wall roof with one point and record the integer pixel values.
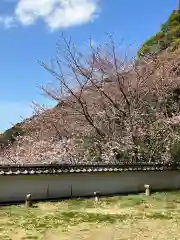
(68, 169)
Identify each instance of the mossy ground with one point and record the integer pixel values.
(123, 217)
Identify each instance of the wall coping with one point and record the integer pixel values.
(46, 169)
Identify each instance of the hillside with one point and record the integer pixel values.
(9, 136)
(128, 116)
(168, 38)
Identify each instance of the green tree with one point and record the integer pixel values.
(168, 38)
(10, 135)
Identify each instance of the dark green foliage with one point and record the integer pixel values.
(167, 38)
(172, 103)
(10, 135)
(175, 151)
(165, 27)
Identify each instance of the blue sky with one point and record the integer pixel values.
(30, 29)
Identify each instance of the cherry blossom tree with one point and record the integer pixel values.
(107, 109)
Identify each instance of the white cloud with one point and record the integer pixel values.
(78, 12)
(55, 13)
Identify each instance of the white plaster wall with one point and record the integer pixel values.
(109, 183)
(15, 188)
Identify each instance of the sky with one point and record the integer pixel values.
(30, 30)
